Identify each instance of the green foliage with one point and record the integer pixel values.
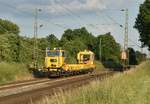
(72, 48)
(8, 27)
(79, 39)
(26, 50)
(4, 47)
(10, 42)
(9, 45)
(132, 57)
(131, 87)
(80, 35)
(15, 48)
(11, 72)
(143, 23)
(110, 49)
(140, 57)
(52, 41)
(135, 57)
(76, 40)
(99, 66)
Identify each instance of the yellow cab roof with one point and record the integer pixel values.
(86, 52)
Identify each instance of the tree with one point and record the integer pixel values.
(52, 41)
(9, 31)
(14, 47)
(8, 27)
(77, 40)
(132, 56)
(4, 48)
(80, 34)
(9, 47)
(140, 57)
(26, 49)
(110, 49)
(72, 48)
(142, 23)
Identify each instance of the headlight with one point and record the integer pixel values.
(53, 60)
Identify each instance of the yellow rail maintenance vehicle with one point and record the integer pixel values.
(55, 63)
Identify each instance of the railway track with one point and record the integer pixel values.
(21, 83)
(25, 92)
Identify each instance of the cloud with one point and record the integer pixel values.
(19, 10)
(76, 6)
(62, 6)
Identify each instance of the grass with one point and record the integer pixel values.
(99, 66)
(13, 72)
(132, 87)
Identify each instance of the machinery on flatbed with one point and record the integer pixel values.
(55, 63)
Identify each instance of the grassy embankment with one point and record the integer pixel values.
(132, 87)
(10, 72)
(13, 72)
(99, 66)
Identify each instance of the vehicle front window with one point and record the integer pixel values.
(86, 57)
(53, 53)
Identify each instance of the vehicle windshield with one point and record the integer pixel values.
(86, 57)
(53, 53)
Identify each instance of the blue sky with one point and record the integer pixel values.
(98, 16)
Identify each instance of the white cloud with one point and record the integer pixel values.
(61, 6)
(77, 5)
(58, 6)
(94, 4)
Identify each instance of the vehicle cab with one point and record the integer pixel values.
(54, 58)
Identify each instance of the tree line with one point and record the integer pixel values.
(19, 49)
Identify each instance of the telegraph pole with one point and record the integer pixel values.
(35, 50)
(126, 35)
(125, 47)
(126, 30)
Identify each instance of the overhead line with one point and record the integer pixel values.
(13, 7)
(70, 11)
(109, 17)
(98, 15)
(18, 10)
(75, 15)
(134, 43)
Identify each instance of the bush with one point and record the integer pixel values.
(99, 66)
(11, 72)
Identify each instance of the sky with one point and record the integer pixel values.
(98, 16)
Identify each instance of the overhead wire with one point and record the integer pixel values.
(134, 43)
(13, 8)
(113, 20)
(78, 16)
(25, 12)
(69, 11)
(56, 24)
(110, 18)
(72, 14)
(99, 16)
